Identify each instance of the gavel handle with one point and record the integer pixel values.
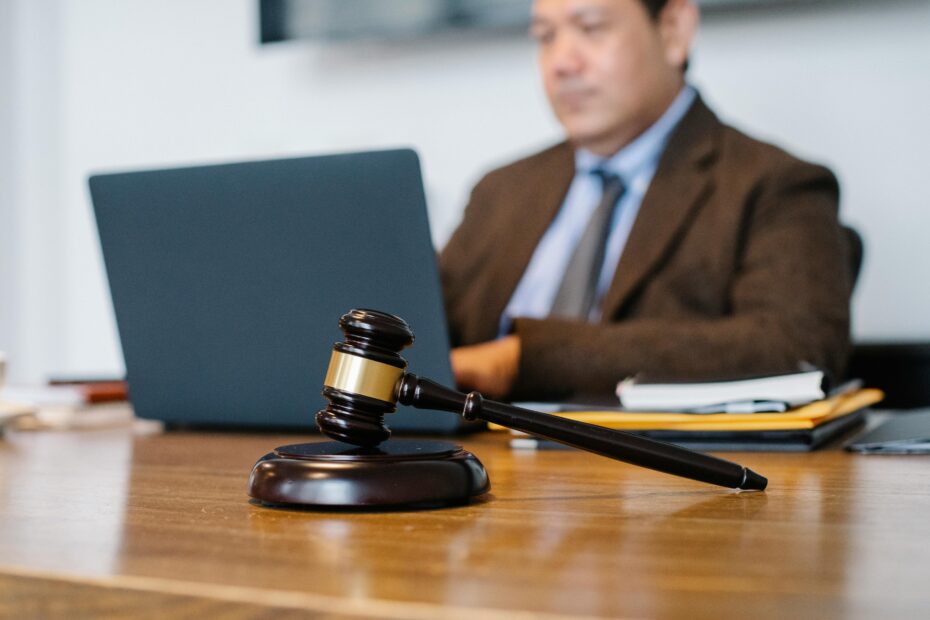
(657, 455)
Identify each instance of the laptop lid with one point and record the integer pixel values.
(228, 282)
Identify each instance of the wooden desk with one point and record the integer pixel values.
(101, 523)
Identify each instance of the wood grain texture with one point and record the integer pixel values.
(97, 518)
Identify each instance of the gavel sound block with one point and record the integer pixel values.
(366, 379)
(361, 469)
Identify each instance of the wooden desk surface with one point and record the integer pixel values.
(101, 523)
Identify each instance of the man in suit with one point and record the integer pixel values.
(655, 239)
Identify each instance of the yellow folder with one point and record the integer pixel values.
(804, 417)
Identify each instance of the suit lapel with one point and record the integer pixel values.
(676, 192)
(531, 216)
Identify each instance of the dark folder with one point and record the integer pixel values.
(905, 433)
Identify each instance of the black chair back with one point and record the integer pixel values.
(856, 252)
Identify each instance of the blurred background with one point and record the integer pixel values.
(100, 85)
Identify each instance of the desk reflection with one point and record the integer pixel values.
(564, 532)
(63, 499)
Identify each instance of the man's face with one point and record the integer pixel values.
(606, 67)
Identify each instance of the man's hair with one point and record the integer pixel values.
(654, 7)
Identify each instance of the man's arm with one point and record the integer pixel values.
(464, 256)
(489, 367)
(789, 302)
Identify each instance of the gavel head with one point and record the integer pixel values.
(364, 373)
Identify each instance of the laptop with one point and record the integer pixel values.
(228, 282)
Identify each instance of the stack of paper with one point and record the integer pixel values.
(800, 428)
(773, 393)
(805, 417)
(12, 413)
(65, 406)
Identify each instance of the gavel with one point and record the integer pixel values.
(367, 378)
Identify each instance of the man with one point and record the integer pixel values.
(655, 240)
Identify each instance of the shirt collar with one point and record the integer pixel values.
(645, 150)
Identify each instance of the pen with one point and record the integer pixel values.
(847, 387)
(743, 406)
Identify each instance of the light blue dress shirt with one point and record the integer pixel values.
(635, 164)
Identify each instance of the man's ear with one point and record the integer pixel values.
(678, 24)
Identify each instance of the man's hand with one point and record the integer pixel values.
(489, 367)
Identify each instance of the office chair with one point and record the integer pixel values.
(900, 369)
(856, 252)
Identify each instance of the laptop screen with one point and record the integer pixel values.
(228, 281)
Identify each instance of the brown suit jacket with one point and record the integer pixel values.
(736, 265)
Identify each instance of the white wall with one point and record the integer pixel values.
(848, 84)
(7, 256)
(33, 325)
(103, 84)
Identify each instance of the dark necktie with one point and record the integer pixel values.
(577, 293)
